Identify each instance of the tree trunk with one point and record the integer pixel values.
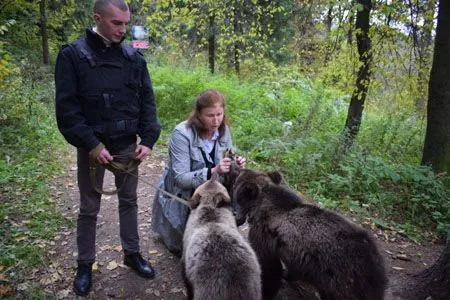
(237, 32)
(422, 39)
(432, 283)
(436, 150)
(329, 19)
(211, 44)
(44, 35)
(356, 107)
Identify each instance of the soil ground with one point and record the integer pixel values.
(111, 279)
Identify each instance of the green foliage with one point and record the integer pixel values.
(29, 147)
(242, 29)
(66, 20)
(6, 66)
(398, 193)
(293, 124)
(281, 119)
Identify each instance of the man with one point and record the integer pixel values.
(104, 100)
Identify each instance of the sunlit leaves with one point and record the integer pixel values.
(246, 25)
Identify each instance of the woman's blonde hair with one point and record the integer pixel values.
(208, 98)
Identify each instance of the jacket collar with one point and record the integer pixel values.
(96, 41)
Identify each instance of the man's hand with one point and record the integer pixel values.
(142, 152)
(104, 157)
(100, 154)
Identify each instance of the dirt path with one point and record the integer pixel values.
(111, 279)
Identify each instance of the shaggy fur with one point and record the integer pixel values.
(319, 247)
(217, 262)
(230, 177)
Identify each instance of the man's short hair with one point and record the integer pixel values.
(101, 6)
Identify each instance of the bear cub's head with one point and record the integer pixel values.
(211, 193)
(247, 190)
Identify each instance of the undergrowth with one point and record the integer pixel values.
(293, 124)
(29, 160)
(286, 122)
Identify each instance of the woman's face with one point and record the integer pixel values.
(211, 117)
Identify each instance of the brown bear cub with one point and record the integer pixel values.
(217, 261)
(316, 246)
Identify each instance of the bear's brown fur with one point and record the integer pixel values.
(217, 261)
(319, 247)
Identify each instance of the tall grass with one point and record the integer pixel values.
(30, 146)
(293, 124)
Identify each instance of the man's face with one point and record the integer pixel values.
(113, 23)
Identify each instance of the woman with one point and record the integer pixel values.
(196, 150)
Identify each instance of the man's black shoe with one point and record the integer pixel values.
(140, 265)
(83, 279)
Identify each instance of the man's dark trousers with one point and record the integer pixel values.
(90, 205)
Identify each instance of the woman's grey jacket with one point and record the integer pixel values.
(185, 171)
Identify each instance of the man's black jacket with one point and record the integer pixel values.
(104, 94)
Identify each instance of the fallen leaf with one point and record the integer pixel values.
(63, 294)
(6, 290)
(20, 238)
(176, 290)
(112, 265)
(402, 257)
(153, 251)
(104, 248)
(397, 268)
(95, 266)
(118, 248)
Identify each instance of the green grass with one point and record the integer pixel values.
(293, 124)
(280, 121)
(29, 161)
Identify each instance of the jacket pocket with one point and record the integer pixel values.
(197, 161)
(92, 106)
(134, 76)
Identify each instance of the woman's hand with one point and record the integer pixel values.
(223, 166)
(240, 161)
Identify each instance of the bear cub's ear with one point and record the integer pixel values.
(195, 201)
(276, 177)
(221, 200)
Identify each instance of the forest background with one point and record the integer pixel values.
(335, 94)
